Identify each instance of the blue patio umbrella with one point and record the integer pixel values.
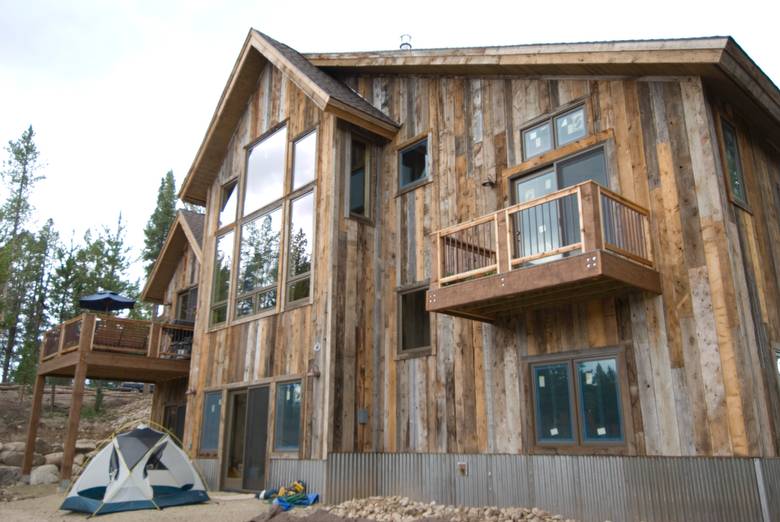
(106, 302)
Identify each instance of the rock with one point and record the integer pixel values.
(78, 459)
(85, 446)
(10, 475)
(46, 474)
(15, 458)
(42, 447)
(54, 458)
(14, 446)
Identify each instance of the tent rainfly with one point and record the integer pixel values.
(139, 469)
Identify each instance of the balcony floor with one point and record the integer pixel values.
(117, 367)
(571, 279)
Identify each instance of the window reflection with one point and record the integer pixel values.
(265, 172)
(305, 161)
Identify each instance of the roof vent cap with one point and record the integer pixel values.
(406, 42)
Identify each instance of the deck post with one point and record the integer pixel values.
(590, 217)
(77, 398)
(32, 427)
(503, 248)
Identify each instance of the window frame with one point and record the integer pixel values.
(286, 451)
(409, 144)
(188, 291)
(722, 122)
(220, 417)
(231, 290)
(420, 351)
(580, 446)
(285, 203)
(292, 279)
(550, 118)
(368, 179)
(235, 183)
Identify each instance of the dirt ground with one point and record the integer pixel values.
(224, 507)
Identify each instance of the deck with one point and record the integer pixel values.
(117, 349)
(581, 242)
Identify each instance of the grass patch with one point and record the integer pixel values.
(88, 412)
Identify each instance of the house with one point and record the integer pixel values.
(488, 275)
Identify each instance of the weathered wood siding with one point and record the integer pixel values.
(187, 275)
(168, 393)
(279, 345)
(695, 383)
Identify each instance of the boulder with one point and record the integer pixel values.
(15, 458)
(85, 446)
(10, 475)
(78, 459)
(54, 458)
(1, 446)
(42, 447)
(46, 474)
(14, 446)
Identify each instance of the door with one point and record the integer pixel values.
(173, 420)
(245, 451)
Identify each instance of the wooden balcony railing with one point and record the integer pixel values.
(118, 335)
(582, 219)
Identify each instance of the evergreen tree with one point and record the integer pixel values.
(160, 221)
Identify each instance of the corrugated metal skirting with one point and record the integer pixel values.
(209, 470)
(586, 488)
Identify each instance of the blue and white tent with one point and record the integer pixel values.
(140, 469)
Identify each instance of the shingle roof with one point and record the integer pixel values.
(326, 82)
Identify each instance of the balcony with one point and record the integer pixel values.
(580, 242)
(117, 349)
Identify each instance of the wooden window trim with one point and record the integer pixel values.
(580, 446)
(720, 120)
(186, 290)
(273, 451)
(286, 281)
(215, 452)
(231, 284)
(234, 180)
(400, 148)
(584, 102)
(422, 351)
(371, 166)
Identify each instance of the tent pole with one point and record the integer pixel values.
(32, 428)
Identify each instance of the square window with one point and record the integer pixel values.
(733, 164)
(298, 290)
(552, 392)
(209, 433)
(358, 182)
(305, 160)
(588, 166)
(413, 162)
(570, 126)
(415, 321)
(599, 401)
(287, 428)
(227, 209)
(537, 140)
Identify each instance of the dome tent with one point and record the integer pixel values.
(139, 469)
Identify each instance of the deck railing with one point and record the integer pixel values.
(117, 335)
(578, 219)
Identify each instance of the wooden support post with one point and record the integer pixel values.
(32, 427)
(80, 375)
(155, 331)
(590, 217)
(503, 241)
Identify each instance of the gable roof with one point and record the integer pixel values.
(327, 93)
(186, 230)
(719, 60)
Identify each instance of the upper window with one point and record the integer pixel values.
(265, 172)
(359, 179)
(413, 163)
(223, 265)
(415, 321)
(577, 402)
(227, 208)
(186, 304)
(590, 165)
(300, 248)
(556, 131)
(304, 163)
(287, 421)
(209, 433)
(736, 179)
(258, 264)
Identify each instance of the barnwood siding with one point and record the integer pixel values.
(187, 274)
(168, 393)
(696, 383)
(259, 350)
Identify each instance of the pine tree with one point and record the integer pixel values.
(160, 221)
(19, 175)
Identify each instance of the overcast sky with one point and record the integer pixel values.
(120, 92)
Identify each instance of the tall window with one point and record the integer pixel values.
(733, 165)
(209, 433)
(186, 305)
(287, 429)
(275, 222)
(577, 402)
(223, 265)
(556, 131)
(415, 327)
(359, 179)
